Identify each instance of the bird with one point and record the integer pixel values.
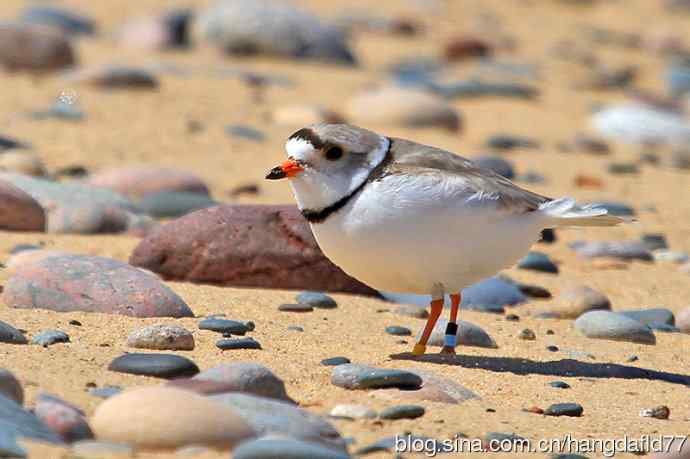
(405, 217)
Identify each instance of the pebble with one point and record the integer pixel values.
(223, 326)
(658, 412)
(174, 204)
(165, 366)
(295, 308)
(116, 77)
(245, 132)
(285, 448)
(268, 416)
(512, 318)
(10, 386)
(548, 236)
(62, 418)
(434, 388)
(264, 27)
(654, 318)
(58, 283)
(683, 320)
(654, 241)
(559, 385)
(410, 310)
(679, 159)
(22, 162)
(19, 211)
(491, 295)
(405, 107)
(44, 49)
(17, 422)
(352, 376)
(162, 337)
(505, 142)
(473, 88)
(248, 377)
(239, 343)
(622, 250)
(303, 115)
(534, 291)
(335, 361)
(623, 168)
(638, 124)
(50, 337)
(398, 331)
(614, 326)
(165, 418)
(552, 348)
(317, 300)
(351, 411)
(295, 328)
(564, 409)
(497, 164)
(140, 181)
(670, 256)
(589, 144)
(463, 48)
(10, 335)
(468, 334)
(537, 261)
(527, 334)
(212, 246)
(8, 143)
(94, 449)
(576, 300)
(402, 412)
(71, 23)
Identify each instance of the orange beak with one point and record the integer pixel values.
(287, 169)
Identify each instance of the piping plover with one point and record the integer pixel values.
(410, 218)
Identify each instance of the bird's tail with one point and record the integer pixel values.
(565, 212)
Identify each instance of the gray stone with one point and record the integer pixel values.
(398, 331)
(285, 448)
(268, 416)
(654, 318)
(402, 412)
(50, 337)
(105, 392)
(223, 326)
(564, 409)
(10, 386)
(468, 334)
(510, 142)
(623, 250)
(335, 361)
(410, 310)
(434, 388)
(654, 241)
(317, 300)
(157, 365)
(295, 308)
(491, 295)
(527, 334)
(245, 132)
(249, 377)
(162, 337)
(613, 326)
(537, 261)
(173, 204)
(16, 422)
(70, 22)
(351, 376)
(9, 446)
(239, 343)
(559, 384)
(10, 335)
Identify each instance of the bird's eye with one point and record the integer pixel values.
(334, 153)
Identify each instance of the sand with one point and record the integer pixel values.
(150, 127)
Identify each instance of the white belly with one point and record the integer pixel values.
(399, 239)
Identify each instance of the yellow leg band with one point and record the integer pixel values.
(419, 349)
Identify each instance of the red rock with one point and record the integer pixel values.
(466, 48)
(19, 211)
(587, 181)
(142, 180)
(66, 420)
(66, 282)
(34, 48)
(244, 246)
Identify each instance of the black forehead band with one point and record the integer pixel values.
(309, 135)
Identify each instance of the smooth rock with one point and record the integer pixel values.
(576, 300)
(623, 250)
(564, 409)
(88, 219)
(8, 143)
(269, 416)
(245, 132)
(142, 180)
(351, 376)
(295, 308)
(497, 164)
(491, 295)
(396, 330)
(10, 386)
(35, 49)
(623, 168)
(527, 334)
(162, 337)
(15, 422)
(612, 326)
(285, 448)
(654, 241)
(249, 377)
(655, 318)
(474, 88)
(223, 326)
(173, 204)
(245, 246)
(300, 115)
(506, 142)
(402, 412)
(19, 211)
(50, 337)
(463, 48)
(156, 365)
(239, 343)
(165, 418)
(92, 284)
(590, 144)
(317, 300)
(335, 361)
(105, 391)
(468, 334)
(263, 27)
(352, 411)
(397, 106)
(537, 261)
(641, 125)
(21, 162)
(671, 256)
(62, 418)
(115, 77)
(69, 22)
(410, 310)
(10, 335)
(683, 320)
(559, 385)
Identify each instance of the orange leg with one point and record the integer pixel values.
(450, 339)
(436, 308)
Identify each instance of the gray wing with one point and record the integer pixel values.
(409, 157)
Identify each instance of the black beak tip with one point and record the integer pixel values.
(276, 174)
